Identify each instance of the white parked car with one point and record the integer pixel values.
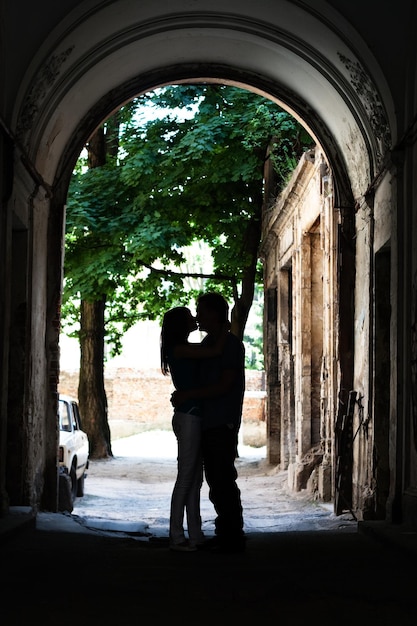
(73, 453)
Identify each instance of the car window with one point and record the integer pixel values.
(78, 416)
(75, 416)
(64, 417)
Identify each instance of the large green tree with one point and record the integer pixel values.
(193, 172)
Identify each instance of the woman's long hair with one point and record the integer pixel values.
(174, 331)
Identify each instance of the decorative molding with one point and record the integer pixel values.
(41, 85)
(369, 97)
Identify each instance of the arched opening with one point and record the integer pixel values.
(137, 386)
(311, 416)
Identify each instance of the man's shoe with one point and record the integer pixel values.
(208, 545)
(231, 547)
(224, 546)
(183, 546)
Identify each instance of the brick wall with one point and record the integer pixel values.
(139, 398)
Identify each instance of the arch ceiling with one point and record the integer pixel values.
(104, 53)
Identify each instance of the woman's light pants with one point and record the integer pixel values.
(186, 493)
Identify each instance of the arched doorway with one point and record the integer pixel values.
(97, 61)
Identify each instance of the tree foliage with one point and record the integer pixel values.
(193, 171)
(181, 165)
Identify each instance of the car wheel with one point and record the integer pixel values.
(73, 477)
(80, 486)
(65, 499)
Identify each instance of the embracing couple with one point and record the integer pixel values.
(209, 381)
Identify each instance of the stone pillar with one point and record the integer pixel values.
(6, 169)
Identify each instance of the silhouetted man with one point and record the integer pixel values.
(224, 377)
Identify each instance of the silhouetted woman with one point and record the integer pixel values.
(180, 358)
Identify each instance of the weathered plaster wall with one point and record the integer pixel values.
(299, 258)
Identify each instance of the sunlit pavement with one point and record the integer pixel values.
(131, 493)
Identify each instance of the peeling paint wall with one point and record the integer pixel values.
(299, 256)
(336, 442)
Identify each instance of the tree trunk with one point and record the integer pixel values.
(243, 303)
(91, 391)
(261, 195)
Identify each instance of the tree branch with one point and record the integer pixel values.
(166, 272)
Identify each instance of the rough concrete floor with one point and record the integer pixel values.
(302, 566)
(296, 578)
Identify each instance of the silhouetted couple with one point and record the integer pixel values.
(209, 381)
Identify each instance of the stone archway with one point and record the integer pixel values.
(96, 61)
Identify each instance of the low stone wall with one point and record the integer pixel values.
(140, 399)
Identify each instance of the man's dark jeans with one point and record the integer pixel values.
(219, 453)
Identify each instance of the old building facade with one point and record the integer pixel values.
(300, 276)
(341, 274)
(331, 438)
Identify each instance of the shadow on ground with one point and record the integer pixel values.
(303, 566)
(295, 578)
